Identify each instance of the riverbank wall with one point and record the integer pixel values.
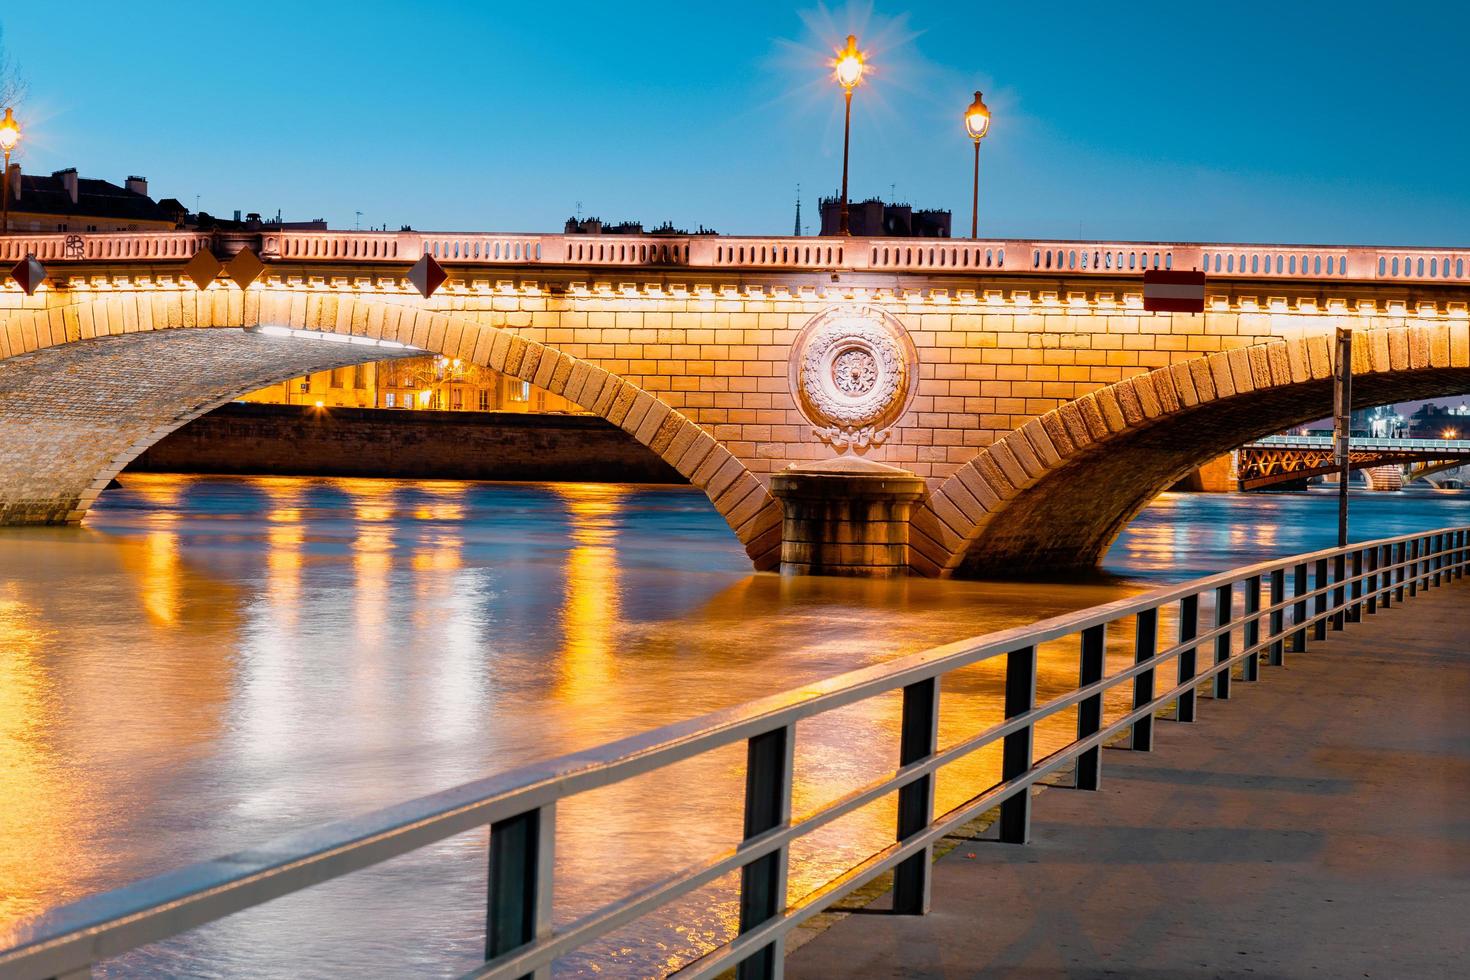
(298, 440)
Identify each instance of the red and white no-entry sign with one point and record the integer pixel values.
(1166, 291)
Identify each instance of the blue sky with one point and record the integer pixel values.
(1280, 122)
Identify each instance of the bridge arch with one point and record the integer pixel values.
(85, 388)
(1055, 493)
(1424, 471)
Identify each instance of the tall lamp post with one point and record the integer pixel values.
(848, 70)
(977, 124)
(9, 136)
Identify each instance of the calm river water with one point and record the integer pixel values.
(212, 662)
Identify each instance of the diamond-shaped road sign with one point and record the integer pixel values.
(427, 276)
(29, 274)
(203, 268)
(244, 268)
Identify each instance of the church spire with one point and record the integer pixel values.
(798, 210)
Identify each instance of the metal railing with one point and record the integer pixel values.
(1365, 443)
(1010, 257)
(1305, 594)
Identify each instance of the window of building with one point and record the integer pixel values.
(389, 398)
(484, 399)
(359, 377)
(337, 377)
(456, 399)
(520, 392)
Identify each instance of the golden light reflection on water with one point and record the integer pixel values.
(590, 612)
(303, 650)
(41, 846)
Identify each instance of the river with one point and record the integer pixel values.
(211, 662)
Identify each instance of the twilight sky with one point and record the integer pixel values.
(1276, 121)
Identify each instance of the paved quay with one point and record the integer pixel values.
(1316, 825)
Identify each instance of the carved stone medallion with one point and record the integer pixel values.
(851, 373)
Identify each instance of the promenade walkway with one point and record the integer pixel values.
(1316, 825)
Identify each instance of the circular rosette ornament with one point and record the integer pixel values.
(851, 374)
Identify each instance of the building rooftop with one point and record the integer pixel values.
(63, 193)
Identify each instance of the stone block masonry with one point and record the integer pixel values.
(300, 440)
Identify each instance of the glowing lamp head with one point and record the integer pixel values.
(849, 65)
(9, 131)
(977, 119)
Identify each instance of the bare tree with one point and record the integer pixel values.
(12, 89)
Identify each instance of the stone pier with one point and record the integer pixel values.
(846, 516)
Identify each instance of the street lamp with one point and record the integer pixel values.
(848, 70)
(9, 136)
(977, 124)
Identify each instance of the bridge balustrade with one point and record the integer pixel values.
(1329, 589)
(1009, 256)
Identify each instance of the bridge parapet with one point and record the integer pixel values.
(1011, 257)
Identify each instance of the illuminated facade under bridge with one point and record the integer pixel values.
(1035, 402)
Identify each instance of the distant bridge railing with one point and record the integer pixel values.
(1304, 594)
(1368, 444)
(1012, 257)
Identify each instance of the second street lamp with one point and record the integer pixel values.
(848, 70)
(9, 136)
(977, 124)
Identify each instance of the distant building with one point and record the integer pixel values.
(431, 382)
(66, 202)
(204, 221)
(876, 219)
(595, 226)
(1440, 422)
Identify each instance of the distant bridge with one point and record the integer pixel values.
(1038, 404)
(1280, 459)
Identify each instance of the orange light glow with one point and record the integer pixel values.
(977, 119)
(9, 131)
(849, 65)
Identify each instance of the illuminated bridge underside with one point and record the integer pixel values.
(72, 417)
(1046, 406)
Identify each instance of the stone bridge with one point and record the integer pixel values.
(1023, 383)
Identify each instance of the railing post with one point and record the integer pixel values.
(1339, 592)
(1372, 590)
(768, 759)
(1413, 569)
(1385, 576)
(1015, 758)
(1188, 630)
(1299, 611)
(1319, 583)
(522, 862)
(1089, 710)
(1278, 618)
(1251, 666)
(1460, 555)
(1401, 551)
(1224, 600)
(1438, 558)
(1145, 645)
(918, 739)
(1355, 611)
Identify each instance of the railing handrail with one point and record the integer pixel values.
(109, 923)
(1050, 258)
(1362, 442)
